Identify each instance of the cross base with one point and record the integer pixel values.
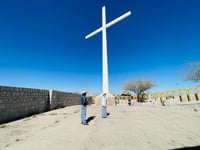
(110, 99)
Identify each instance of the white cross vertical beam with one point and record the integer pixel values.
(104, 52)
(104, 44)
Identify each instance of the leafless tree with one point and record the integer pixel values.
(193, 72)
(139, 86)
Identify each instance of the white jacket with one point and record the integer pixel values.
(104, 101)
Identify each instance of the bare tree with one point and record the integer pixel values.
(193, 72)
(139, 86)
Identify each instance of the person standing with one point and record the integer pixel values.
(104, 106)
(83, 107)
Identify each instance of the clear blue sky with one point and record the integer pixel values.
(42, 43)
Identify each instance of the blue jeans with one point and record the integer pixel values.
(104, 112)
(83, 114)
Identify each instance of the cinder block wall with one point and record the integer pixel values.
(16, 103)
(61, 99)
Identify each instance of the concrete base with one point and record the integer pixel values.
(110, 99)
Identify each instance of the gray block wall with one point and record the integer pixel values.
(16, 103)
(61, 99)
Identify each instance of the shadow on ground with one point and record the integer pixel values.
(188, 148)
(90, 119)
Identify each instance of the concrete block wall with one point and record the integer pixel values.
(61, 99)
(16, 103)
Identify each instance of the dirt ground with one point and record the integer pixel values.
(126, 128)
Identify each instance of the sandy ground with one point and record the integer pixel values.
(126, 128)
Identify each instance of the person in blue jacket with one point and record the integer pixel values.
(83, 107)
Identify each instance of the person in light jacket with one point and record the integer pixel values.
(104, 106)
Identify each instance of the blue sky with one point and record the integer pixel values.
(42, 43)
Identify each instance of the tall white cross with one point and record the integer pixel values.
(104, 43)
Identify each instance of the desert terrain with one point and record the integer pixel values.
(144, 127)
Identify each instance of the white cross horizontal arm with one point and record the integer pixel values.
(93, 33)
(118, 19)
(109, 24)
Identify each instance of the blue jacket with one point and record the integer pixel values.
(83, 100)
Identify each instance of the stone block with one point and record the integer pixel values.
(2, 106)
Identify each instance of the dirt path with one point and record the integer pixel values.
(127, 128)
